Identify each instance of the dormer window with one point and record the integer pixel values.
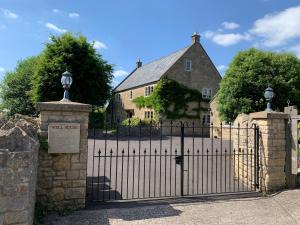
(188, 65)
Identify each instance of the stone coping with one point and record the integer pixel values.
(268, 115)
(63, 106)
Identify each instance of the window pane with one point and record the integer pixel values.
(208, 119)
(188, 65)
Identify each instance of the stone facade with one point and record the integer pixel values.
(203, 75)
(125, 103)
(19, 147)
(62, 177)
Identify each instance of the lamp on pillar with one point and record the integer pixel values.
(66, 81)
(269, 95)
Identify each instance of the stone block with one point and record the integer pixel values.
(14, 217)
(57, 183)
(67, 183)
(22, 188)
(75, 158)
(57, 194)
(74, 193)
(45, 163)
(72, 174)
(78, 183)
(61, 162)
(82, 174)
(45, 182)
(78, 166)
(61, 173)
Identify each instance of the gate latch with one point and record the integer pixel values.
(178, 159)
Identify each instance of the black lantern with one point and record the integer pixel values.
(66, 81)
(269, 95)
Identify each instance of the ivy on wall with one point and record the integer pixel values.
(173, 100)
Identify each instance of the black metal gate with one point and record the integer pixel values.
(171, 160)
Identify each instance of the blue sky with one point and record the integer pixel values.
(124, 31)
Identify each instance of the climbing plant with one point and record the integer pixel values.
(173, 100)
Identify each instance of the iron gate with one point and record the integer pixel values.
(171, 160)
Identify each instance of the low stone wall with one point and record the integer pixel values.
(18, 171)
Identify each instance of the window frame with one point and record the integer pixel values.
(188, 65)
(207, 93)
(149, 90)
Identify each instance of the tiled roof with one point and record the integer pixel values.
(150, 72)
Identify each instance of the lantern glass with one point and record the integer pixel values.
(269, 94)
(66, 79)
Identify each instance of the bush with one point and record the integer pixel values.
(247, 77)
(96, 118)
(135, 122)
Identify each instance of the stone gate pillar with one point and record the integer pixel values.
(63, 162)
(272, 147)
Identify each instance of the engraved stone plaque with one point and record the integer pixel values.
(63, 137)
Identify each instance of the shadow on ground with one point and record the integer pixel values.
(100, 215)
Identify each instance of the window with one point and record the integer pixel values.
(188, 65)
(206, 93)
(148, 90)
(130, 95)
(148, 114)
(206, 119)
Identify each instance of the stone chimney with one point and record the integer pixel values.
(195, 38)
(139, 64)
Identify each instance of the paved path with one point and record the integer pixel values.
(278, 209)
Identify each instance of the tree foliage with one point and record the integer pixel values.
(172, 99)
(15, 88)
(91, 74)
(249, 74)
(38, 78)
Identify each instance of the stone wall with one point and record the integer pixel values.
(62, 177)
(272, 143)
(243, 137)
(18, 165)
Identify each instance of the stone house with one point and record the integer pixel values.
(190, 66)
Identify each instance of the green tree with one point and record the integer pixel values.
(249, 74)
(15, 88)
(91, 74)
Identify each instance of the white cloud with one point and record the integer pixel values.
(120, 73)
(74, 15)
(278, 28)
(56, 11)
(55, 28)
(226, 39)
(99, 45)
(9, 14)
(230, 25)
(296, 50)
(221, 67)
(2, 69)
